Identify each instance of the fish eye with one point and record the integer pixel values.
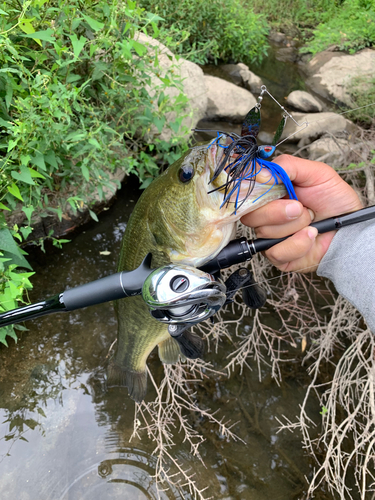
(186, 173)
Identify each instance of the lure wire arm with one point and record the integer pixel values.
(131, 283)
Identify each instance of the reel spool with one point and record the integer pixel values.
(182, 294)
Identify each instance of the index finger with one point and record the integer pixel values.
(305, 173)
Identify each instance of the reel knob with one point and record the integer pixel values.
(182, 294)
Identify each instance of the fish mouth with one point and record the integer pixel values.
(235, 195)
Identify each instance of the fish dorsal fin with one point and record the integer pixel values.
(169, 351)
(251, 123)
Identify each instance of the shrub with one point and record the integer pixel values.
(217, 29)
(350, 27)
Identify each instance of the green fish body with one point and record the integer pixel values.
(178, 221)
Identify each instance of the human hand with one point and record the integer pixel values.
(322, 193)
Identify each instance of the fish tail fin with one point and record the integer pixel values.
(136, 382)
(191, 345)
(169, 351)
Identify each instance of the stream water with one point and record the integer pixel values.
(63, 436)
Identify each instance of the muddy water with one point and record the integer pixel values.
(63, 436)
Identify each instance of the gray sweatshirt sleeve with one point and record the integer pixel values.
(350, 264)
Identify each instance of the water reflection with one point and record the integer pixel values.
(127, 474)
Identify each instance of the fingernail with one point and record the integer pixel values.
(293, 210)
(312, 233)
(312, 215)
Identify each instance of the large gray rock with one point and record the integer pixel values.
(304, 101)
(226, 101)
(332, 73)
(193, 81)
(314, 125)
(330, 150)
(277, 37)
(242, 76)
(286, 54)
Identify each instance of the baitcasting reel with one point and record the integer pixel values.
(179, 294)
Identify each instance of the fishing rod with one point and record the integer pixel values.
(179, 295)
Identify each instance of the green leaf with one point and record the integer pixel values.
(159, 123)
(73, 78)
(46, 35)
(78, 44)
(94, 216)
(13, 189)
(26, 26)
(50, 158)
(76, 23)
(5, 124)
(139, 48)
(3, 207)
(95, 143)
(12, 144)
(25, 159)
(181, 99)
(34, 173)
(38, 160)
(23, 175)
(85, 172)
(28, 211)
(94, 24)
(26, 231)
(93, 49)
(10, 70)
(8, 95)
(10, 249)
(3, 333)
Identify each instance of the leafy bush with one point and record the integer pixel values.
(350, 27)
(78, 94)
(217, 29)
(362, 93)
(294, 13)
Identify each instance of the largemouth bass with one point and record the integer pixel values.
(178, 219)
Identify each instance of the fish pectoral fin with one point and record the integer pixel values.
(191, 345)
(169, 351)
(136, 382)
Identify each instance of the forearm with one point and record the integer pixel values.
(350, 264)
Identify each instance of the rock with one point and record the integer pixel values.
(193, 81)
(242, 76)
(286, 54)
(304, 101)
(329, 150)
(42, 226)
(265, 137)
(318, 124)
(277, 37)
(332, 73)
(226, 101)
